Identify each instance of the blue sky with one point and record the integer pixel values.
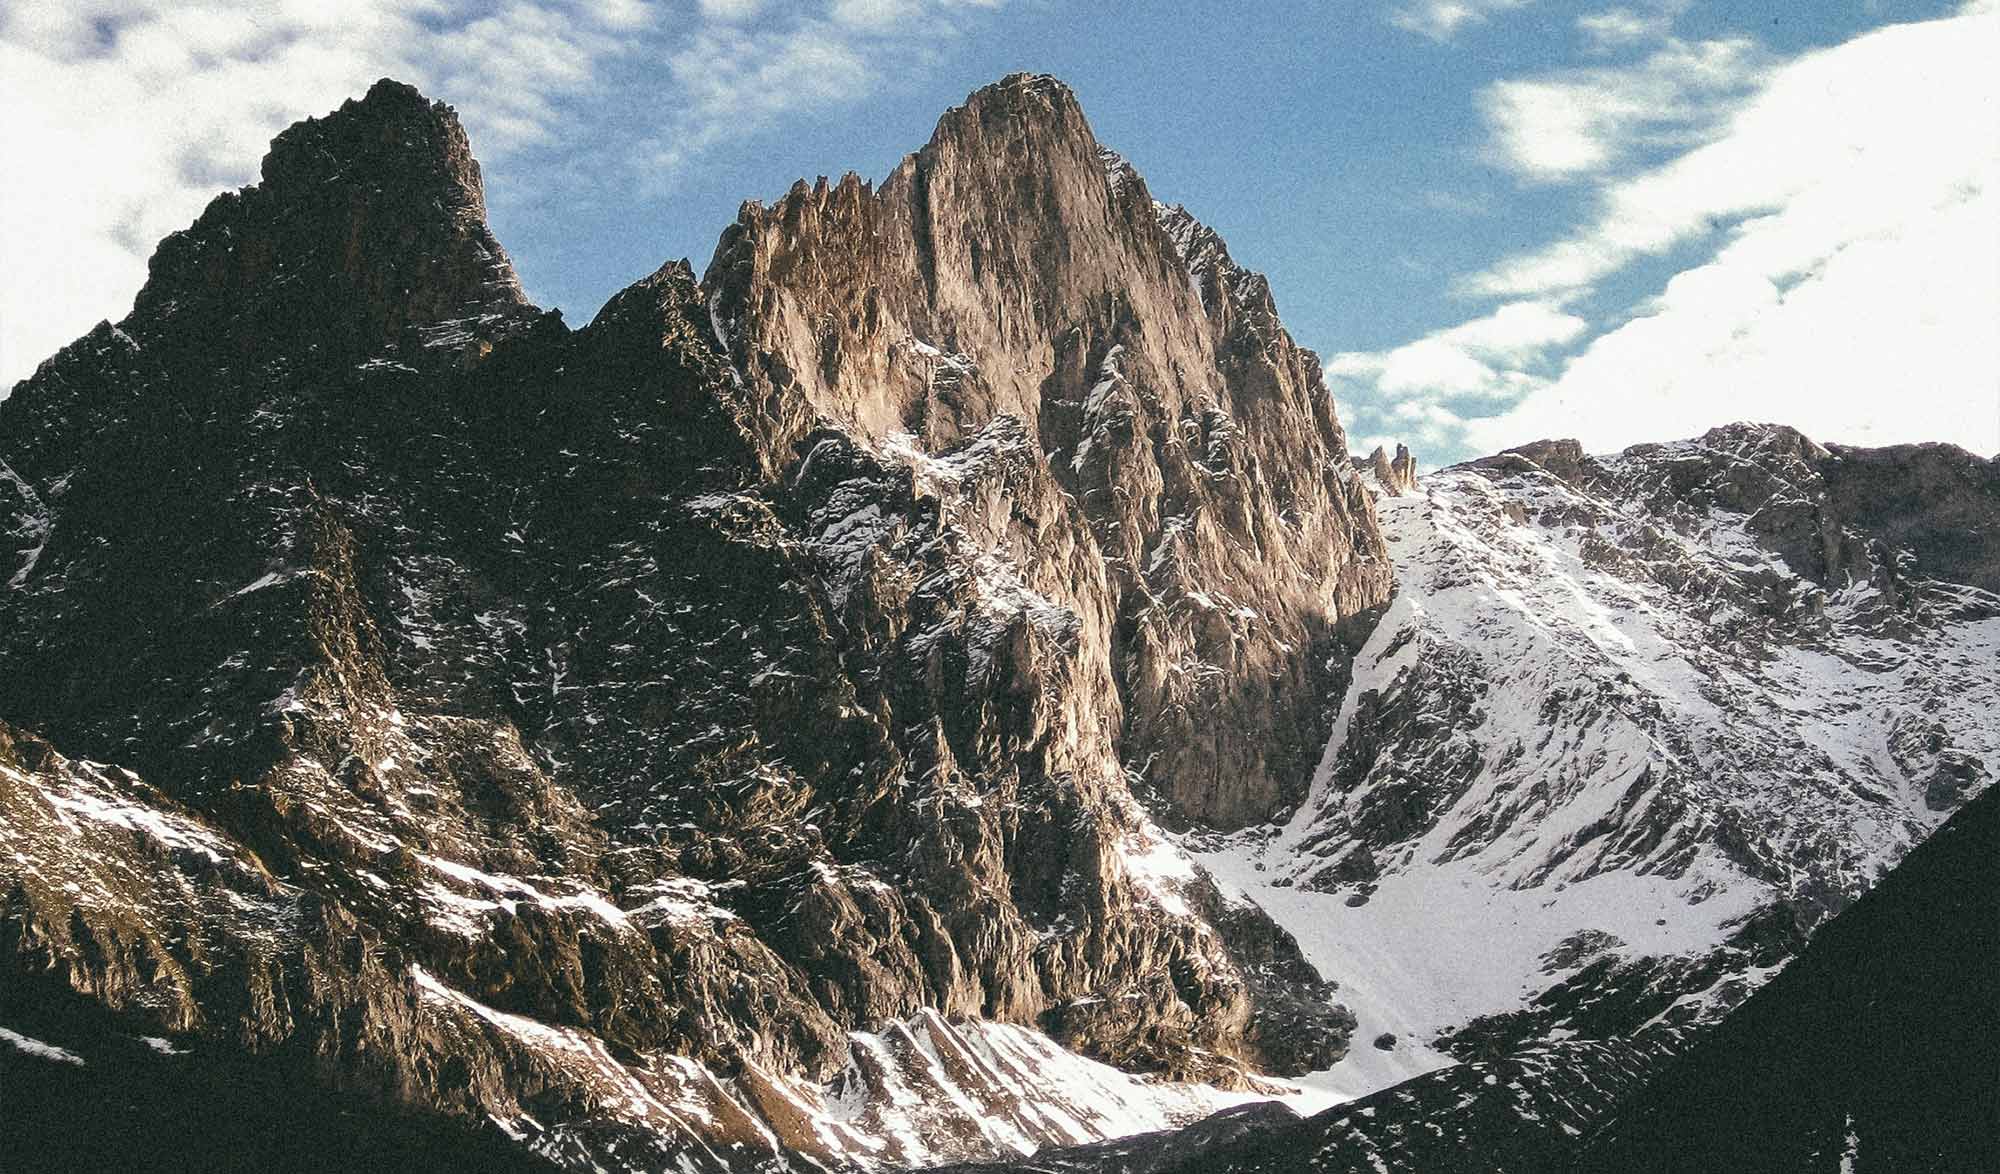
(1496, 219)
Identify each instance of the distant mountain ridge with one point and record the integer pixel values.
(1658, 714)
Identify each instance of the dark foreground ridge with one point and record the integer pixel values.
(1875, 1051)
(127, 1100)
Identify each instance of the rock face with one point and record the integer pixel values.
(1655, 715)
(365, 224)
(625, 733)
(1178, 481)
(858, 708)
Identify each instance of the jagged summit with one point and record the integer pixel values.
(1002, 273)
(753, 731)
(1395, 476)
(1020, 94)
(365, 223)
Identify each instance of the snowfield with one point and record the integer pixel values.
(1578, 735)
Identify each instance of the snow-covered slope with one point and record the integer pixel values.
(1630, 728)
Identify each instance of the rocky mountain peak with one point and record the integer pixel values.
(1766, 440)
(1563, 459)
(365, 223)
(806, 710)
(1018, 99)
(1014, 279)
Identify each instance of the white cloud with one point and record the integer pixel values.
(1441, 20)
(1578, 123)
(1488, 357)
(1847, 213)
(737, 79)
(1853, 135)
(1617, 28)
(875, 14)
(1888, 335)
(731, 10)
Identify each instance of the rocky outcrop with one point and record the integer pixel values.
(679, 702)
(1394, 476)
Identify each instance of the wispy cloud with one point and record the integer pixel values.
(1579, 123)
(735, 78)
(1844, 206)
(1489, 357)
(1846, 139)
(1855, 205)
(1441, 20)
(1421, 392)
(1618, 28)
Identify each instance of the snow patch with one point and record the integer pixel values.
(39, 1049)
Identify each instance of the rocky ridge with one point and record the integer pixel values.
(1393, 476)
(1655, 715)
(858, 707)
(676, 740)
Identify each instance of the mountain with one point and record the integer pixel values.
(1632, 728)
(933, 688)
(710, 736)
(1870, 1052)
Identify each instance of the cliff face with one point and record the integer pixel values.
(695, 701)
(1184, 487)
